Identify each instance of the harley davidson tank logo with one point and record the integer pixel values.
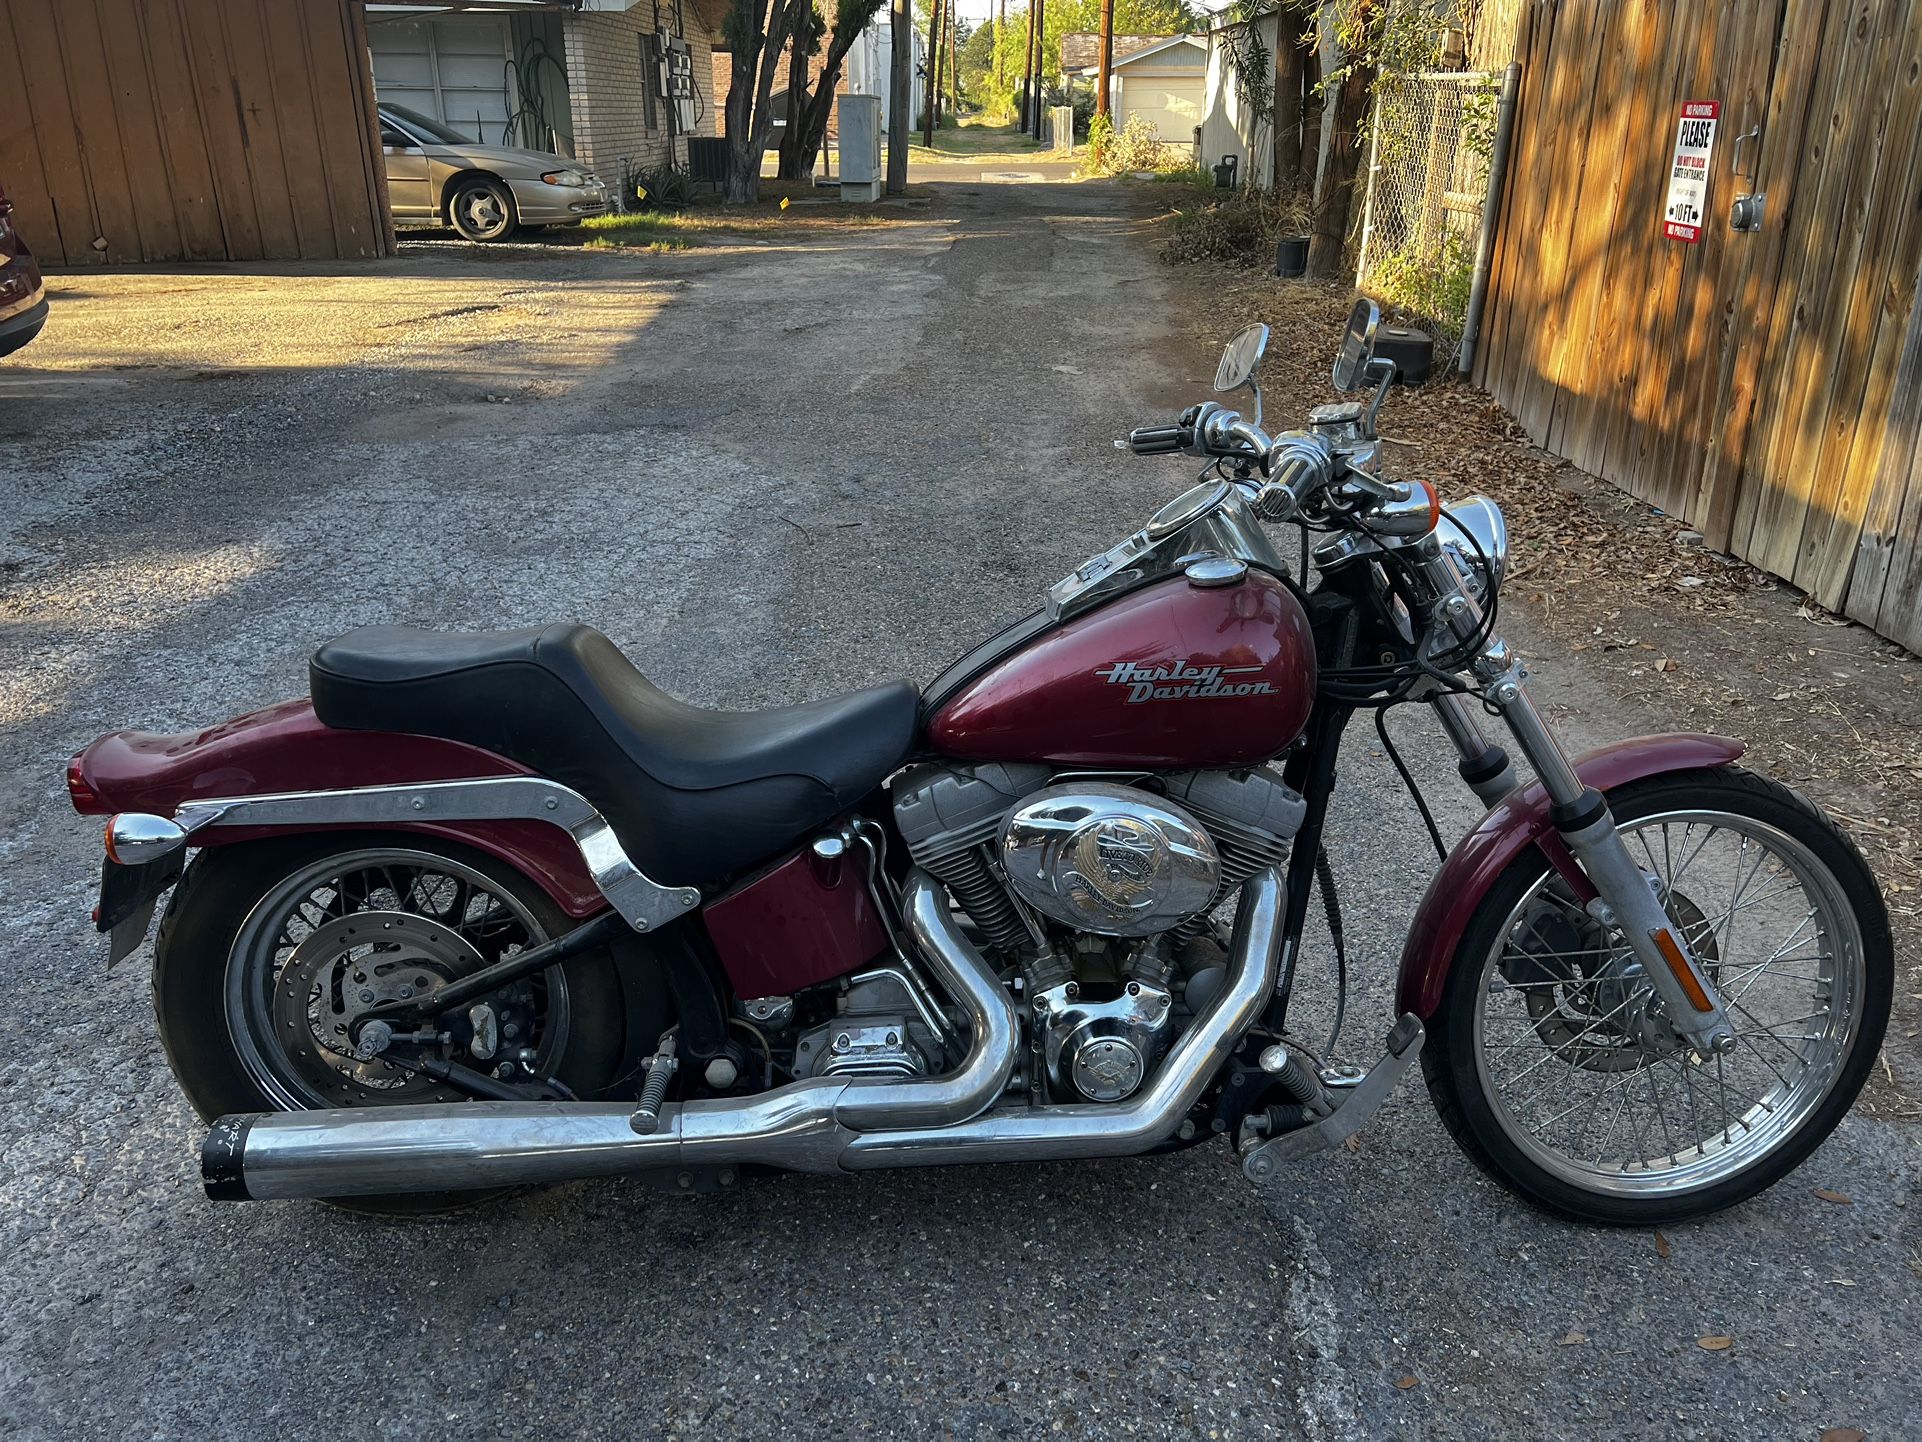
(1179, 679)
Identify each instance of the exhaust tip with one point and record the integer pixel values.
(222, 1157)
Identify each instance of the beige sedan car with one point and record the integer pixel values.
(437, 176)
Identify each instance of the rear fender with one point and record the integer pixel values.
(286, 748)
(1517, 822)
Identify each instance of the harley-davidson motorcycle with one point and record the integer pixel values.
(491, 910)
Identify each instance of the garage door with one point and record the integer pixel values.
(1172, 105)
(454, 69)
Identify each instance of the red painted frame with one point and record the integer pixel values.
(286, 748)
(1517, 822)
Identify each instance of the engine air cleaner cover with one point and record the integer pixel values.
(1109, 859)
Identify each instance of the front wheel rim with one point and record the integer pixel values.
(1790, 963)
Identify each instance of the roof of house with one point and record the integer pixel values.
(1081, 49)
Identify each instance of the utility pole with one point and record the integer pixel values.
(1104, 68)
(954, 56)
(1027, 69)
(1040, 54)
(932, 97)
(900, 92)
(1000, 24)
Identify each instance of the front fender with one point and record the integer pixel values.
(1517, 822)
(286, 748)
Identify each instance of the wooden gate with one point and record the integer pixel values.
(154, 130)
(1765, 386)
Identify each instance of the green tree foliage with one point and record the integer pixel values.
(1065, 17)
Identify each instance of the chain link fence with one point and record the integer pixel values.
(1431, 135)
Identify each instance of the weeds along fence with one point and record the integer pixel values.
(1431, 136)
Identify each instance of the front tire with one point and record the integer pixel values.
(482, 209)
(1538, 1058)
(269, 949)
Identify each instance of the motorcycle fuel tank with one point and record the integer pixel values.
(1173, 676)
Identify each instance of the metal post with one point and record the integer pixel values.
(1368, 202)
(1491, 216)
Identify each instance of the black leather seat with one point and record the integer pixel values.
(694, 795)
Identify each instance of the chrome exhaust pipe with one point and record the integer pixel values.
(805, 1126)
(1015, 1133)
(820, 1125)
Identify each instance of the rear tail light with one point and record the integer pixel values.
(85, 799)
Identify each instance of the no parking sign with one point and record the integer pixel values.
(1687, 204)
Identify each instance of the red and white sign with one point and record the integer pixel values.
(1687, 208)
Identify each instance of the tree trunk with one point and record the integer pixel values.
(1344, 158)
(1027, 72)
(1313, 106)
(820, 108)
(1040, 52)
(900, 92)
(1289, 27)
(793, 137)
(757, 55)
(748, 22)
(932, 98)
(1104, 66)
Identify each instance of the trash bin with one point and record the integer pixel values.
(1225, 172)
(1291, 255)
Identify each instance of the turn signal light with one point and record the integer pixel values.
(135, 838)
(1671, 951)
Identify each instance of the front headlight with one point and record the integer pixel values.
(1476, 535)
(573, 178)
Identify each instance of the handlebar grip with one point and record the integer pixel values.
(1155, 440)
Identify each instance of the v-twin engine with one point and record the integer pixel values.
(1118, 856)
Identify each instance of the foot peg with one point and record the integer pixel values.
(660, 1071)
(1352, 1106)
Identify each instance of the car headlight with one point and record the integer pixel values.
(1477, 537)
(572, 178)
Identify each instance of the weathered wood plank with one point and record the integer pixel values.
(56, 132)
(21, 167)
(1775, 496)
(1790, 96)
(256, 119)
(123, 44)
(182, 133)
(1871, 293)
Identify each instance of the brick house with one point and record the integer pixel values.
(605, 82)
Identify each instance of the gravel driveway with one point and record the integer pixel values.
(771, 472)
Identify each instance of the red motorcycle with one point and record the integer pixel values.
(491, 909)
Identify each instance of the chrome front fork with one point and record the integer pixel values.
(1626, 896)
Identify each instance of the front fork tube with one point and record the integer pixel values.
(1616, 891)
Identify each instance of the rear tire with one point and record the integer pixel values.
(1582, 1050)
(216, 919)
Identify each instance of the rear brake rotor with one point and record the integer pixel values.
(348, 966)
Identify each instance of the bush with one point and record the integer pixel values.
(661, 187)
(1100, 138)
(1239, 226)
(1136, 146)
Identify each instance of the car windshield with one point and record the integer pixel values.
(422, 125)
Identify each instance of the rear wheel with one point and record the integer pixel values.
(271, 951)
(1552, 1069)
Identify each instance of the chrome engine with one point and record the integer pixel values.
(1132, 874)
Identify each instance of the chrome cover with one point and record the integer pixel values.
(1109, 859)
(1211, 518)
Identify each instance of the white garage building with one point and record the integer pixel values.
(1163, 79)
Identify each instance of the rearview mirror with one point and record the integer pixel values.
(1241, 358)
(1357, 346)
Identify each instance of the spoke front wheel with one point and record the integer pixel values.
(1551, 1061)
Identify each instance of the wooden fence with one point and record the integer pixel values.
(1765, 386)
(159, 130)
